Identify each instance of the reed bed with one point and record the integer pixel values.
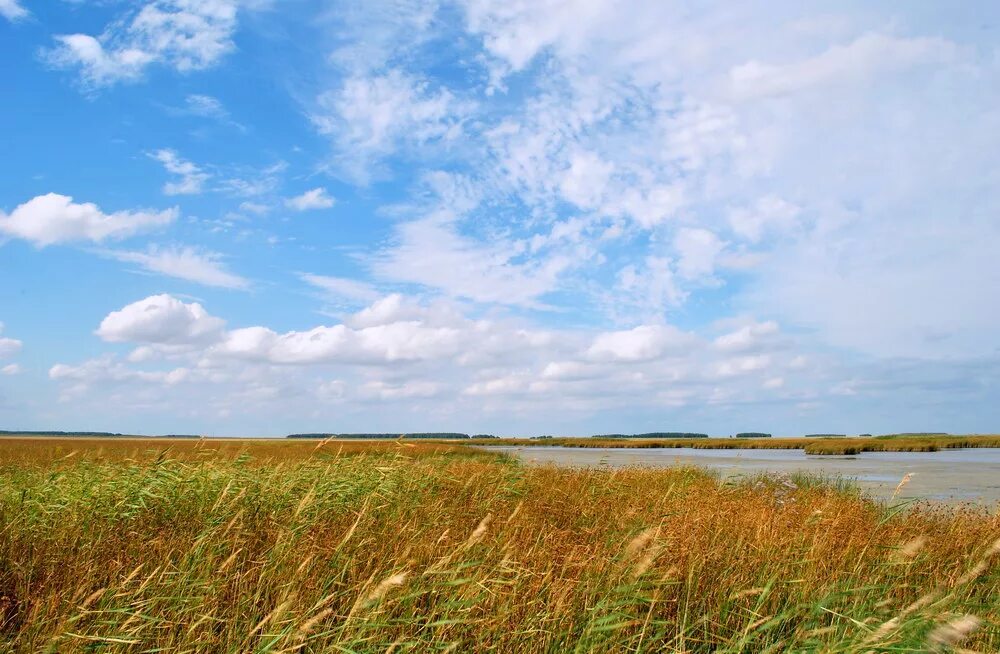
(836, 446)
(391, 548)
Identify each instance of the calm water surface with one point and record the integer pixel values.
(954, 476)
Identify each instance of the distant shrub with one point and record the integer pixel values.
(655, 434)
(752, 434)
(439, 435)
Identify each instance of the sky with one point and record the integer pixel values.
(520, 217)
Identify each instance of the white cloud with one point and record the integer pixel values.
(501, 386)
(396, 342)
(370, 117)
(583, 183)
(768, 214)
(255, 208)
(12, 10)
(162, 320)
(316, 198)
(183, 34)
(11, 369)
(341, 287)
(413, 353)
(99, 67)
(642, 343)
(699, 249)
(52, 218)
(864, 58)
(206, 106)
(191, 264)
(743, 365)
(8, 346)
(381, 390)
(432, 253)
(747, 338)
(649, 289)
(518, 31)
(192, 178)
(250, 182)
(390, 309)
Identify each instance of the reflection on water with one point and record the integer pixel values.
(960, 475)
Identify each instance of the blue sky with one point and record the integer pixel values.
(259, 217)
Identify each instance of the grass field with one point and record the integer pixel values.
(832, 446)
(191, 546)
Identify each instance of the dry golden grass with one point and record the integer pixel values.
(841, 446)
(138, 547)
(42, 450)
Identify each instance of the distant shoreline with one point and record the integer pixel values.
(810, 445)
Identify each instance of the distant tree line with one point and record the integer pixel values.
(826, 436)
(752, 434)
(88, 434)
(655, 434)
(441, 435)
(58, 433)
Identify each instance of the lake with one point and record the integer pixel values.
(952, 476)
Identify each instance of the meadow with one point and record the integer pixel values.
(298, 546)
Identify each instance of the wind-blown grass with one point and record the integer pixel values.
(841, 446)
(397, 548)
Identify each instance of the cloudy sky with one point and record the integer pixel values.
(511, 216)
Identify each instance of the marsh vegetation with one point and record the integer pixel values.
(811, 445)
(192, 546)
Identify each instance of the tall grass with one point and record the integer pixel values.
(381, 547)
(826, 445)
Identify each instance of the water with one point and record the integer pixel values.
(952, 476)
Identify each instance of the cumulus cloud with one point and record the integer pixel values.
(8, 346)
(316, 198)
(11, 369)
(742, 365)
(642, 343)
(187, 263)
(163, 320)
(52, 218)
(412, 353)
(749, 337)
(402, 341)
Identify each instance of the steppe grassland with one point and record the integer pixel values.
(243, 546)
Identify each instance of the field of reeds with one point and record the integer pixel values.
(838, 446)
(194, 546)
